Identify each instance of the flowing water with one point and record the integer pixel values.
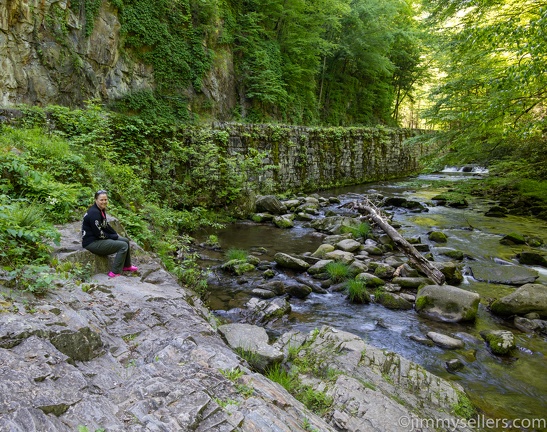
(502, 387)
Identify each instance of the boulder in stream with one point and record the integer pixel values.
(528, 298)
(532, 258)
(288, 261)
(334, 224)
(503, 274)
(501, 342)
(270, 204)
(447, 303)
(445, 341)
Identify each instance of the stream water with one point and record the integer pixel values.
(504, 388)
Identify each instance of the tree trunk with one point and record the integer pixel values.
(415, 257)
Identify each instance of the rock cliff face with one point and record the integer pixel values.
(48, 57)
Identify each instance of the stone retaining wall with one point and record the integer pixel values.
(316, 158)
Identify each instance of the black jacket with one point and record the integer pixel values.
(96, 227)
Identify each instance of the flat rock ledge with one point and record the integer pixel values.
(141, 353)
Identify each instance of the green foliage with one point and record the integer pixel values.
(277, 373)
(464, 408)
(338, 271)
(25, 234)
(490, 101)
(34, 279)
(360, 231)
(236, 254)
(315, 400)
(169, 36)
(357, 291)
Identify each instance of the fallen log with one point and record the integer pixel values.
(410, 251)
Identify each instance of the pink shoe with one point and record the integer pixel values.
(113, 275)
(130, 268)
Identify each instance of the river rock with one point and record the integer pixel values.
(370, 279)
(513, 239)
(270, 204)
(454, 365)
(262, 217)
(348, 245)
(284, 221)
(447, 303)
(445, 341)
(411, 282)
(334, 224)
(287, 261)
(372, 249)
(528, 298)
(298, 290)
(338, 255)
(382, 270)
(291, 204)
(263, 293)
(253, 340)
(450, 253)
(532, 258)
(438, 237)
(322, 250)
(501, 342)
(303, 217)
(451, 271)
(496, 211)
(529, 325)
(319, 267)
(393, 301)
(335, 238)
(276, 286)
(503, 274)
(357, 267)
(422, 340)
(237, 267)
(266, 312)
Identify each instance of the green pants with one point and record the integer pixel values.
(107, 247)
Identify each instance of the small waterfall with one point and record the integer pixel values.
(465, 169)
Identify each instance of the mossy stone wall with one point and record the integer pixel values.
(313, 158)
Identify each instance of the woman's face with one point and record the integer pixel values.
(101, 201)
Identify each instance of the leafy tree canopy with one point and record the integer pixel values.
(490, 101)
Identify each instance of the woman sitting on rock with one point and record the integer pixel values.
(101, 239)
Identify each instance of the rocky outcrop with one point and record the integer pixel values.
(42, 65)
(372, 389)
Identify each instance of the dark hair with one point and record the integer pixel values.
(100, 192)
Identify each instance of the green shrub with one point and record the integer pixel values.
(338, 271)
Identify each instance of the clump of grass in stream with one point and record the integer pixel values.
(360, 231)
(236, 254)
(357, 291)
(338, 271)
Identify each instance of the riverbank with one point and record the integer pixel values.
(496, 383)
